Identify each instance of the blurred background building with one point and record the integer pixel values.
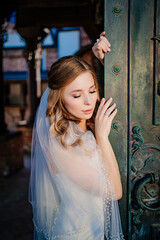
(33, 35)
(57, 43)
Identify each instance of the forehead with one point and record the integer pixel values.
(83, 81)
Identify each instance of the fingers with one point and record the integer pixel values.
(110, 109)
(103, 42)
(100, 54)
(102, 33)
(103, 45)
(113, 114)
(105, 107)
(100, 107)
(105, 39)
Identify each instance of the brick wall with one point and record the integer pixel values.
(14, 60)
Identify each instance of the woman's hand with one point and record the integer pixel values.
(102, 129)
(104, 118)
(101, 47)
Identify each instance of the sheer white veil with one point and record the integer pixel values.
(70, 192)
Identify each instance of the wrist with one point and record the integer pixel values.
(102, 61)
(101, 140)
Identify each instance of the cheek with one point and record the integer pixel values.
(94, 98)
(71, 106)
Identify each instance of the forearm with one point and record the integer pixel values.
(111, 164)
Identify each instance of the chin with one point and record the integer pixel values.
(87, 117)
(83, 116)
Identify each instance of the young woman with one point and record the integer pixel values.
(75, 180)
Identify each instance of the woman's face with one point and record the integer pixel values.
(80, 96)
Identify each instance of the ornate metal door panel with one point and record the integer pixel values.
(132, 78)
(145, 118)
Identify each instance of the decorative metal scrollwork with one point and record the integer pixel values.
(158, 137)
(145, 188)
(153, 201)
(156, 38)
(138, 146)
(136, 215)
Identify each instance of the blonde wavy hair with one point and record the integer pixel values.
(61, 74)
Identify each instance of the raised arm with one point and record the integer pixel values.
(101, 47)
(103, 123)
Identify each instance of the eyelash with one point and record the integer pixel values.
(80, 95)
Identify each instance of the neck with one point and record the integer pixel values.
(82, 125)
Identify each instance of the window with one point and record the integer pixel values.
(14, 40)
(68, 41)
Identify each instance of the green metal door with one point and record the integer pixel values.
(132, 79)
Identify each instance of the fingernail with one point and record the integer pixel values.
(108, 99)
(109, 50)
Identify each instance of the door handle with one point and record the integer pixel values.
(156, 38)
(154, 204)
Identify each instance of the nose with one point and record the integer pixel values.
(87, 99)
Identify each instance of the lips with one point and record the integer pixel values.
(88, 111)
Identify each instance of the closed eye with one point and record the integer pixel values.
(76, 96)
(93, 91)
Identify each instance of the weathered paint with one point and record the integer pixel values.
(132, 76)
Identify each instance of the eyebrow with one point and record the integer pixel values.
(79, 90)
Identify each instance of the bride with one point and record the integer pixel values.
(75, 181)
